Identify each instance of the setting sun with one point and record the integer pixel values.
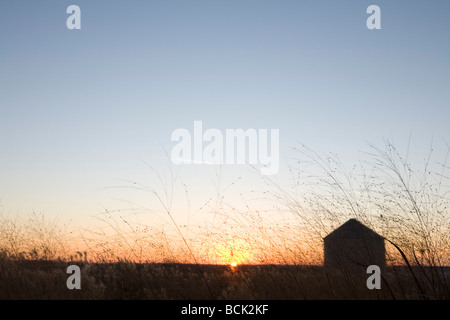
(181, 157)
(232, 251)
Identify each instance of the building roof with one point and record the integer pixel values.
(353, 229)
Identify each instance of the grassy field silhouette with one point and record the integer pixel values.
(255, 257)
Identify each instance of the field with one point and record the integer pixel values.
(276, 258)
(27, 279)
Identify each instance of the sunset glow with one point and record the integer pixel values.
(233, 148)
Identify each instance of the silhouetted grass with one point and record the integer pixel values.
(125, 258)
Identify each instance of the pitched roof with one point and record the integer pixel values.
(353, 229)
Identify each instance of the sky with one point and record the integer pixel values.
(82, 112)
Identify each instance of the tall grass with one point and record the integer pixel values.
(32, 237)
(409, 207)
(283, 225)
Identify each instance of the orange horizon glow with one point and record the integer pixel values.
(232, 247)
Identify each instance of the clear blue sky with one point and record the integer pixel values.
(81, 109)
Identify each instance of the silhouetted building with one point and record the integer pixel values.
(354, 246)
